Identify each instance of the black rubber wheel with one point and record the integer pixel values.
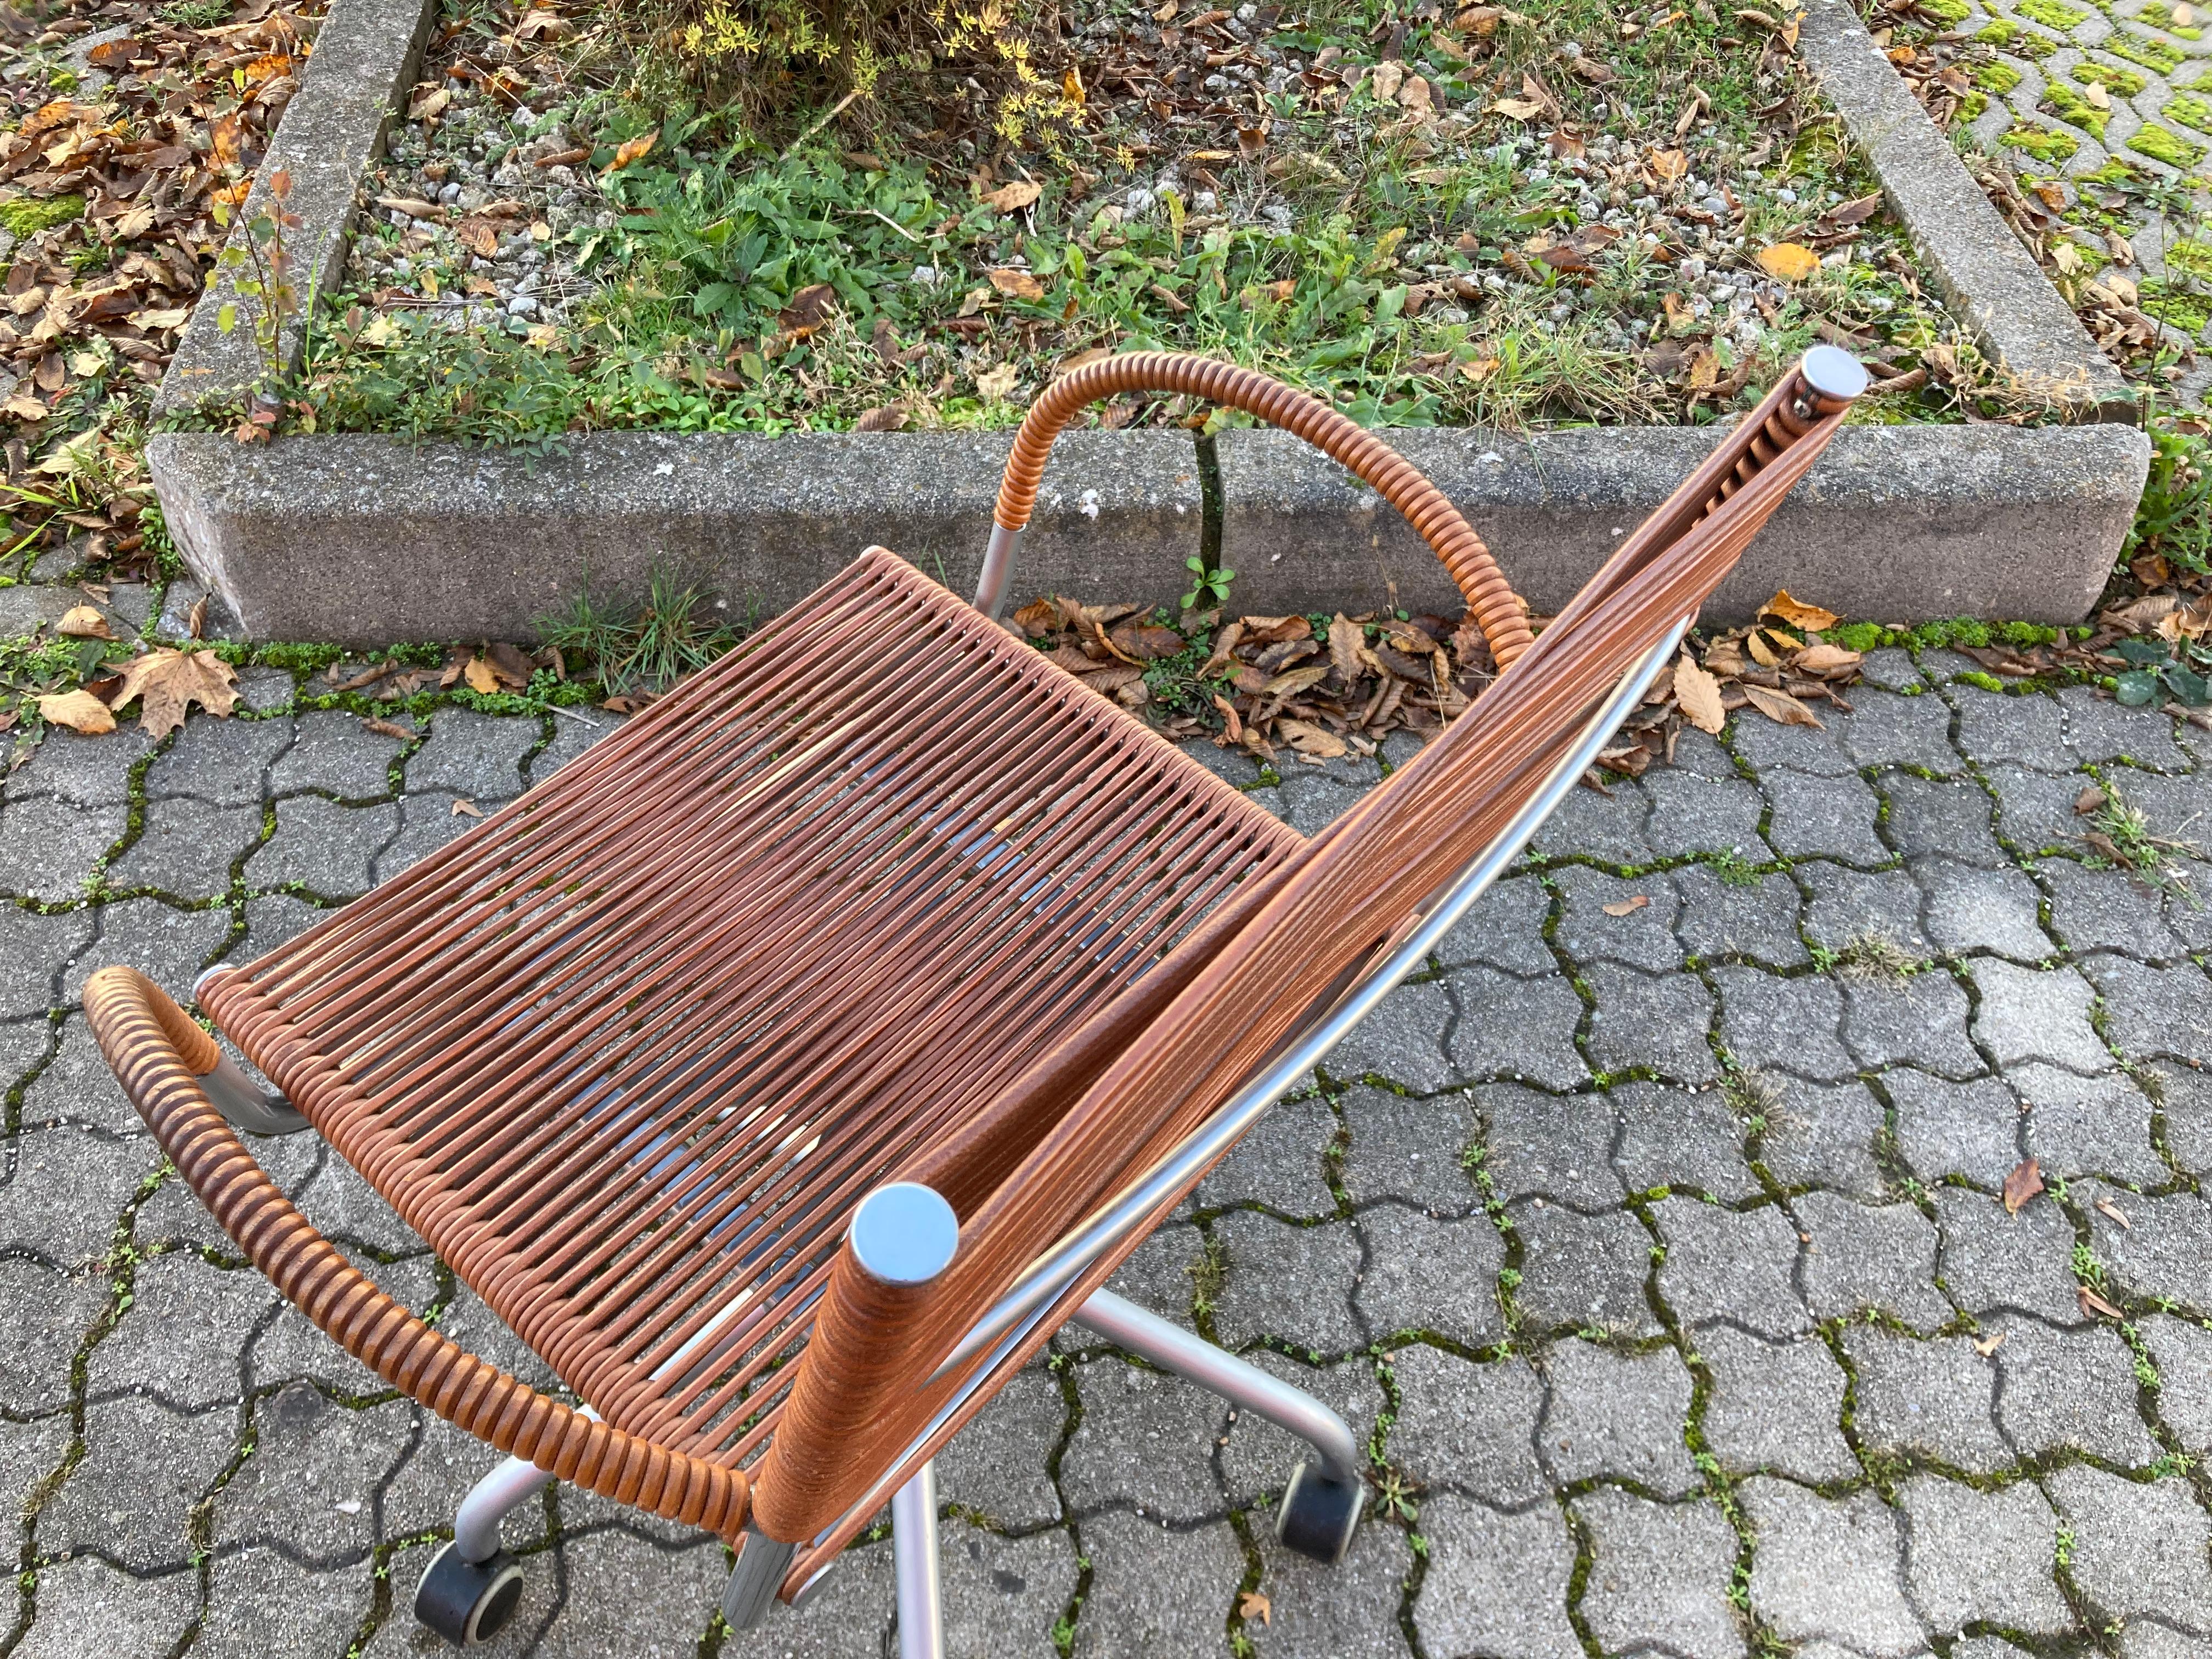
(468, 1602)
(1318, 1515)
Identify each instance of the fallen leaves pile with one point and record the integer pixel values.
(116, 185)
(165, 682)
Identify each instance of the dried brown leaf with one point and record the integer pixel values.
(2117, 1214)
(82, 621)
(1016, 284)
(1780, 707)
(80, 711)
(1627, 907)
(1013, 196)
(1699, 695)
(2022, 1184)
(1797, 613)
(170, 682)
(2091, 1303)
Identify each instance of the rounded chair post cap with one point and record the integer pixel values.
(905, 1233)
(1832, 372)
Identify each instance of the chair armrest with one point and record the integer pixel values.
(159, 1055)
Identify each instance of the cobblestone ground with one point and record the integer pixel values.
(2077, 83)
(1653, 1236)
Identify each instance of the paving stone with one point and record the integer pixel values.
(221, 762)
(1467, 1426)
(2188, 919)
(1757, 921)
(2106, 910)
(130, 1497)
(1642, 938)
(1724, 1264)
(1583, 1271)
(1982, 1557)
(89, 1610)
(1413, 1150)
(266, 691)
(1158, 1274)
(1970, 909)
(2168, 1249)
(81, 771)
(1294, 1283)
(54, 845)
(1993, 1262)
(2178, 808)
(24, 1044)
(337, 754)
(44, 1317)
(1849, 907)
(2078, 1125)
(2182, 1351)
(2139, 1551)
(1559, 1147)
(472, 754)
(179, 1340)
(1692, 815)
(77, 1086)
(1002, 1594)
(2027, 1013)
(1676, 1138)
(1497, 1584)
(310, 1487)
(1930, 1399)
(1764, 744)
(260, 1604)
(1970, 1129)
(439, 1468)
(1823, 817)
(1920, 1020)
(1349, 1611)
(1608, 827)
(1824, 1134)
(1952, 818)
(1790, 1024)
(1616, 1416)
(272, 920)
(2146, 1639)
(2099, 729)
(1429, 1275)
(1505, 929)
(2154, 1013)
(2029, 729)
(174, 1216)
(323, 847)
(1315, 803)
(1863, 1256)
(1280, 1163)
(2070, 1390)
(34, 948)
(427, 823)
(1893, 667)
(575, 730)
(168, 944)
(1884, 729)
(1655, 1022)
(342, 1206)
(1828, 1567)
(1775, 1405)
(1156, 1594)
(1516, 1028)
(29, 1453)
(2035, 810)
(2184, 1095)
(626, 1595)
(187, 848)
(61, 1190)
(1257, 1457)
(1402, 1041)
(1659, 1577)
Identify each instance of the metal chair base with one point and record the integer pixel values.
(1321, 1507)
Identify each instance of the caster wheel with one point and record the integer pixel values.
(1318, 1515)
(468, 1602)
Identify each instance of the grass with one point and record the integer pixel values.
(647, 645)
(1379, 263)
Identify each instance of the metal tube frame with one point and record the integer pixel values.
(506, 1488)
(914, 1563)
(1243, 1384)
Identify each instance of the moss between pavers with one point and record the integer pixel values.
(2071, 107)
(2190, 256)
(2007, 36)
(26, 217)
(2052, 14)
(2176, 309)
(1999, 78)
(2154, 55)
(2042, 143)
(2162, 145)
(2121, 83)
(2160, 16)
(2189, 111)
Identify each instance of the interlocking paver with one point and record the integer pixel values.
(1616, 1416)
(1932, 1399)
(55, 846)
(1498, 1450)
(1775, 1405)
(1982, 1557)
(1659, 1577)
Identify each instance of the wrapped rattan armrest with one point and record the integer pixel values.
(159, 1056)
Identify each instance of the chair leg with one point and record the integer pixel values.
(472, 1587)
(914, 1555)
(1321, 1506)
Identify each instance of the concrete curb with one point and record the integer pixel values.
(1989, 281)
(364, 540)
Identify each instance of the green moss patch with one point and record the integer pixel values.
(2121, 83)
(2181, 311)
(2191, 111)
(2071, 107)
(2191, 258)
(2042, 143)
(2154, 55)
(2171, 148)
(2000, 78)
(2052, 14)
(26, 215)
(2160, 16)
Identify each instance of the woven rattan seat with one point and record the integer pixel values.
(885, 905)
